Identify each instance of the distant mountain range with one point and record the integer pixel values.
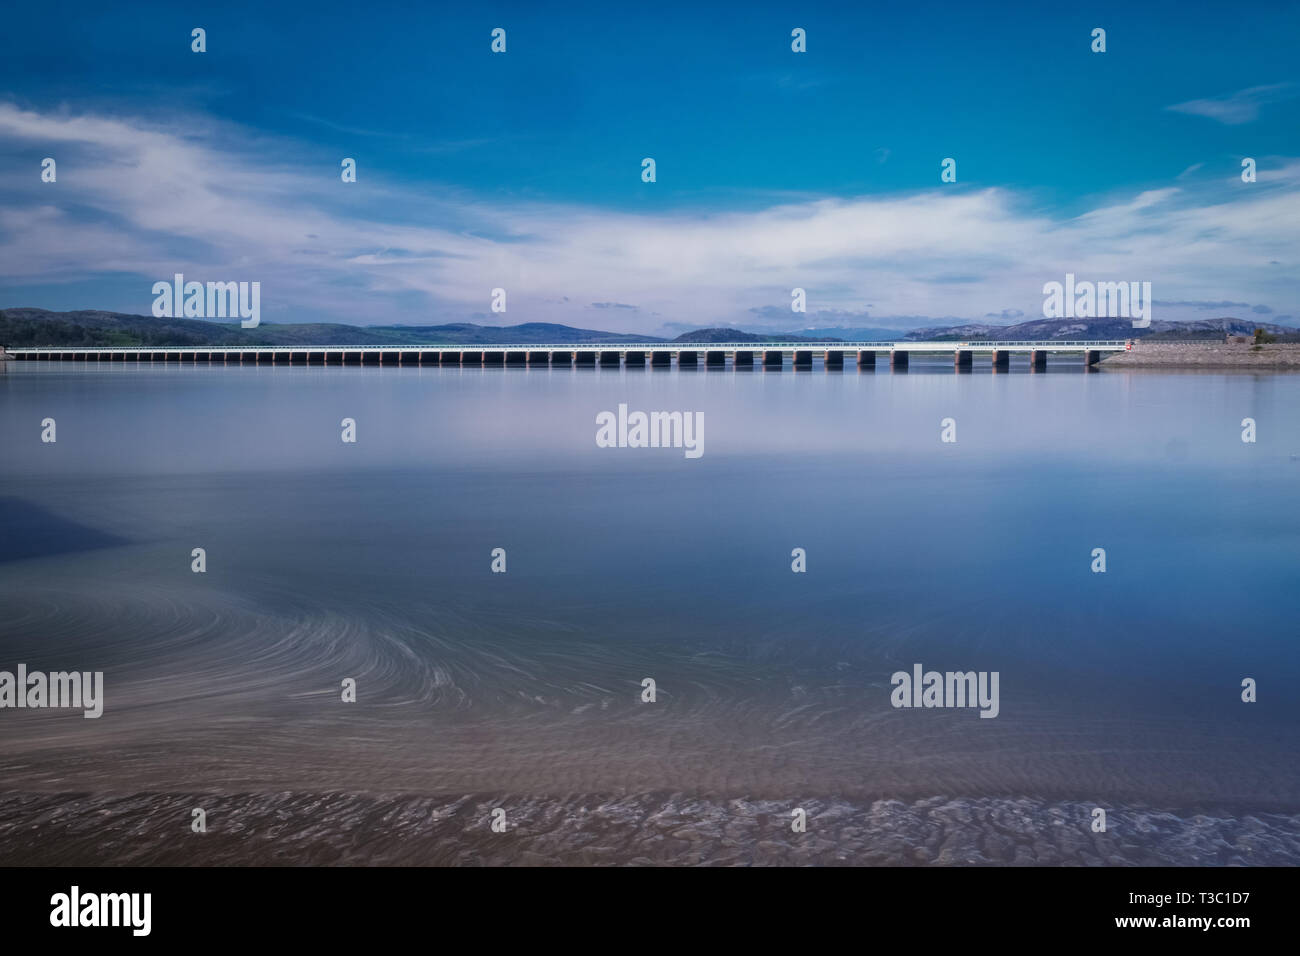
(29, 327)
(1048, 329)
(35, 327)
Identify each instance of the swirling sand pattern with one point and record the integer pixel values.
(207, 691)
(329, 829)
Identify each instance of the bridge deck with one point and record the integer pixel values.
(620, 347)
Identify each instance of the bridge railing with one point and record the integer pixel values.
(602, 347)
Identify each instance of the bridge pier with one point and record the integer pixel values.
(691, 355)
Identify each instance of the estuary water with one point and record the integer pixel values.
(372, 561)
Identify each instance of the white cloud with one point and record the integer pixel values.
(1240, 107)
(214, 201)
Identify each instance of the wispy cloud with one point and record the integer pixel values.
(214, 201)
(1204, 306)
(1240, 107)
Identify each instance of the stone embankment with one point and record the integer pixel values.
(1205, 355)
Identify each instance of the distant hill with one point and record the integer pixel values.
(35, 327)
(704, 336)
(1046, 330)
(864, 334)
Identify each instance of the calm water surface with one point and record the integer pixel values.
(371, 560)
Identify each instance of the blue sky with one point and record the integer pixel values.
(774, 169)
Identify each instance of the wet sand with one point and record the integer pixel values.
(333, 829)
(462, 711)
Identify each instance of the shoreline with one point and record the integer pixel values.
(1200, 356)
(648, 828)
